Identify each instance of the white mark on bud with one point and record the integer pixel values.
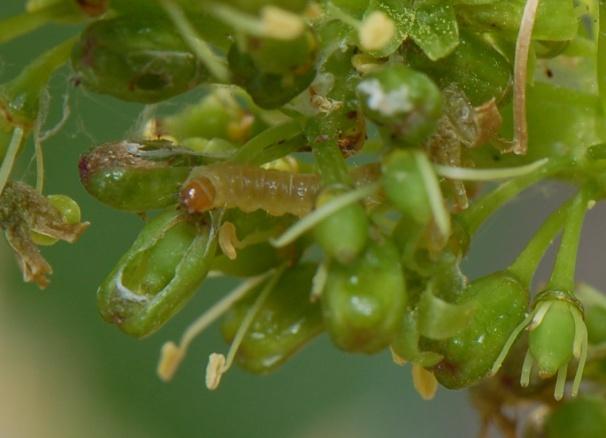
(388, 104)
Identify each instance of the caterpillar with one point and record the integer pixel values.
(251, 188)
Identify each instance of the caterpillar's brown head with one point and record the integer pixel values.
(198, 195)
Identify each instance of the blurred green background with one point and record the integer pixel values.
(66, 373)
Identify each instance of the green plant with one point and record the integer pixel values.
(258, 178)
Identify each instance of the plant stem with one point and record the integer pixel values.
(13, 27)
(11, 155)
(563, 276)
(331, 164)
(528, 261)
(254, 148)
(21, 97)
(481, 210)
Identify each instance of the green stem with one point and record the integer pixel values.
(22, 24)
(563, 276)
(21, 96)
(11, 155)
(332, 165)
(481, 210)
(253, 149)
(528, 261)
(279, 150)
(601, 54)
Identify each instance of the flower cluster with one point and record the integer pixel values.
(331, 159)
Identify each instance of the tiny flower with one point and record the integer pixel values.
(557, 335)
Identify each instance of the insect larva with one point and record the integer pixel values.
(251, 188)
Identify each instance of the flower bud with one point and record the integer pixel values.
(363, 302)
(140, 59)
(158, 274)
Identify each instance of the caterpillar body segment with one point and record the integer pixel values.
(250, 188)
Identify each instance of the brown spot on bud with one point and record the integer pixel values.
(93, 8)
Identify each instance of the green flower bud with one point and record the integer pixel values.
(551, 342)
(580, 418)
(404, 185)
(278, 56)
(403, 101)
(250, 261)
(268, 90)
(220, 114)
(363, 302)
(159, 273)
(126, 176)
(500, 303)
(342, 235)
(286, 321)
(133, 58)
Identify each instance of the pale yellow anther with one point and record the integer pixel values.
(284, 164)
(540, 313)
(364, 63)
(239, 130)
(214, 370)
(170, 359)
(318, 282)
(424, 382)
(280, 24)
(376, 31)
(152, 130)
(228, 240)
(313, 11)
(397, 359)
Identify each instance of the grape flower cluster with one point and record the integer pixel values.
(338, 156)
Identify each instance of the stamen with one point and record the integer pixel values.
(319, 282)
(520, 73)
(321, 213)
(560, 386)
(376, 31)
(469, 174)
(539, 314)
(219, 364)
(397, 359)
(214, 370)
(172, 355)
(580, 335)
(281, 24)
(436, 200)
(526, 370)
(514, 335)
(170, 359)
(228, 240)
(424, 382)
